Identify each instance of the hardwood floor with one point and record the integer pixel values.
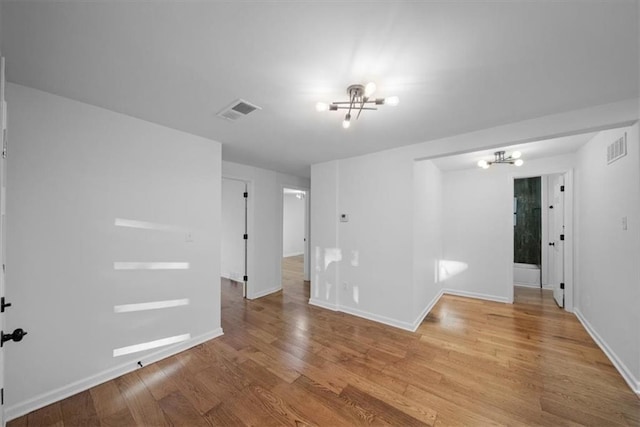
(283, 362)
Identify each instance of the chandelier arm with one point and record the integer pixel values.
(361, 107)
(346, 108)
(349, 102)
(353, 98)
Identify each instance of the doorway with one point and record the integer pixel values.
(295, 238)
(527, 231)
(233, 264)
(542, 235)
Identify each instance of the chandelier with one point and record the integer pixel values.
(501, 158)
(359, 99)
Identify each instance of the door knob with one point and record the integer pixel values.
(552, 243)
(16, 336)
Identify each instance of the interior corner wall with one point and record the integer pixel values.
(264, 224)
(88, 189)
(380, 186)
(293, 220)
(478, 226)
(362, 266)
(324, 249)
(427, 237)
(608, 272)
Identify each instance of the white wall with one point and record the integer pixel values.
(233, 217)
(478, 225)
(293, 223)
(264, 224)
(608, 272)
(325, 253)
(73, 170)
(377, 191)
(427, 237)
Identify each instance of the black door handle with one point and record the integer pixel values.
(552, 243)
(16, 336)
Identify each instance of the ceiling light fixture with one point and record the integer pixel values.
(359, 99)
(501, 158)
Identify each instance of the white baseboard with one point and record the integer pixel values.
(378, 318)
(407, 326)
(426, 310)
(323, 304)
(22, 408)
(236, 277)
(532, 285)
(287, 255)
(476, 295)
(264, 293)
(633, 382)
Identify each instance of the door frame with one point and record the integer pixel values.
(3, 220)
(307, 228)
(250, 244)
(568, 235)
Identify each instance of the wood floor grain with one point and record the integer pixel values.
(284, 362)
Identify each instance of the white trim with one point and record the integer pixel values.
(324, 304)
(427, 309)
(40, 401)
(633, 382)
(292, 254)
(411, 327)
(264, 293)
(532, 285)
(477, 295)
(378, 318)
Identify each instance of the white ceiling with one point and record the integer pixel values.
(530, 151)
(456, 66)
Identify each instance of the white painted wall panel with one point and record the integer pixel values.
(427, 236)
(608, 272)
(74, 169)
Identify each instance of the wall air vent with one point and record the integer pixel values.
(617, 149)
(237, 110)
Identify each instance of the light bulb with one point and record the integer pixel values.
(483, 164)
(347, 121)
(369, 89)
(392, 100)
(516, 155)
(519, 162)
(321, 106)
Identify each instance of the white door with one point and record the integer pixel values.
(234, 230)
(556, 239)
(3, 236)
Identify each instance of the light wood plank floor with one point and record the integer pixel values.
(283, 362)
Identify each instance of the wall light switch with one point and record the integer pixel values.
(624, 223)
(344, 217)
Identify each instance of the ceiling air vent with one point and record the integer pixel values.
(617, 149)
(237, 110)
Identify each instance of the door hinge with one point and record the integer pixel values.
(3, 305)
(2, 396)
(245, 237)
(245, 278)
(245, 195)
(562, 237)
(4, 144)
(561, 285)
(562, 188)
